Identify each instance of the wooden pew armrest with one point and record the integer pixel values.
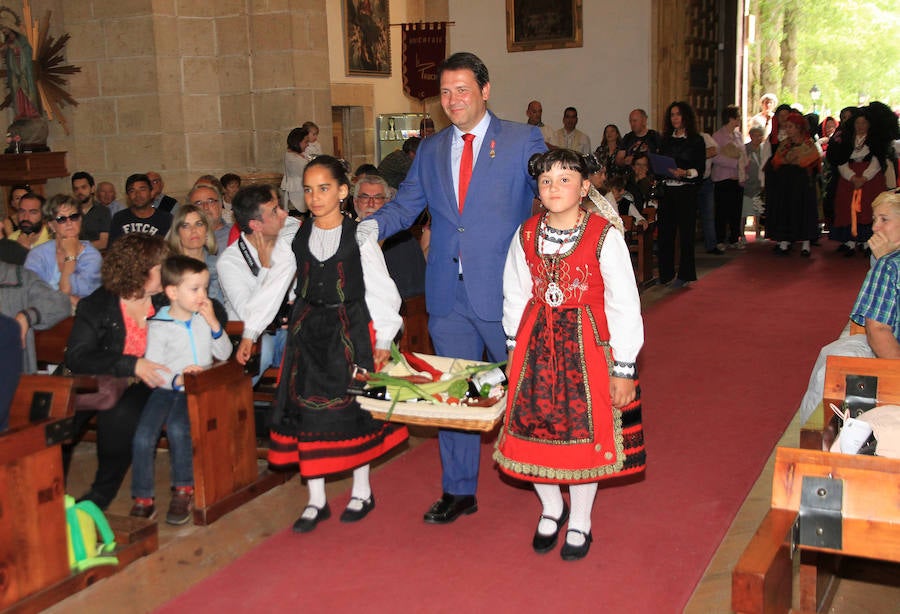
(761, 581)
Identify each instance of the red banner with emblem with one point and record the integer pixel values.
(424, 48)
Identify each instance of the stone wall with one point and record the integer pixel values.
(187, 87)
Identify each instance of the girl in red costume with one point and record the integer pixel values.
(572, 316)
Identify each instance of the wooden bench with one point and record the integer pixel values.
(640, 245)
(821, 428)
(808, 517)
(415, 337)
(223, 433)
(34, 563)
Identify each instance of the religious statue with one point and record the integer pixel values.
(33, 66)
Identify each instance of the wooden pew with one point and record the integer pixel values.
(50, 344)
(40, 397)
(34, 564)
(223, 433)
(640, 245)
(822, 427)
(415, 337)
(865, 522)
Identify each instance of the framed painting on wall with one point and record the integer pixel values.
(367, 37)
(543, 24)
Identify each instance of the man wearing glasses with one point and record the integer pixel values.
(402, 252)
(161, 200)
(207, 197)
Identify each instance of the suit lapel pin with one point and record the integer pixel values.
(493, 153)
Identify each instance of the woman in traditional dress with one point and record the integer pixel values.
(860, 179)
(572, 316)
(791, 210)
(315, 424)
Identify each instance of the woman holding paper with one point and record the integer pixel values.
(678, 205)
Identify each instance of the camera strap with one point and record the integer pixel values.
(248, 257)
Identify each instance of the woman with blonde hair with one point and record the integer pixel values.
(192, 235)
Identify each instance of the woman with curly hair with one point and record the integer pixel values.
(109, 337)
(606, 151)
(678, 205)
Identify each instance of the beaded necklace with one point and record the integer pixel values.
(554, 295)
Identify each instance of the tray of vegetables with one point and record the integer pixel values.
(434, 391)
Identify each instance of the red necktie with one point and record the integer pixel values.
(465, 169)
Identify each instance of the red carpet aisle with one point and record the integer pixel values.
(723, 369)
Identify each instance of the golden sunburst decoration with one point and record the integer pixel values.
(48, 62)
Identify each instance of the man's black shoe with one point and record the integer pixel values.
(449, 507)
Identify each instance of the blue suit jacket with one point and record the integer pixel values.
(499, 198)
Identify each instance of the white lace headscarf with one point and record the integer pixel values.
(606, 209)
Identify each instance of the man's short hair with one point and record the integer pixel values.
(174, 268)
(229, 178)
(572, 109)
(465, 60)
(366, 169)
(372, 180)
(642, 112)
(135, 178)
(411, 145)
(33, 196)
(247, 201)
(83, 175)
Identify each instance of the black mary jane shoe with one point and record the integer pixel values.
(545, 543)
(305, 525)
(573, 553)
(351, 515)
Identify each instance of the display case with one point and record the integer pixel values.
(394, 128)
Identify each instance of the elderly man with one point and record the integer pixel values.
(140, 216)
(161, 200)
(95, 218)
(208, 198)
(106, 196)
(640, 140)
(473, 176)
(32, 230)
(535, 113)
(402, 253)
(569, 137)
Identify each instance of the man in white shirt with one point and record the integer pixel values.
(256, 272)
(568, 137)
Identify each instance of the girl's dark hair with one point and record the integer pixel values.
(295, 139)
(337, 168)
(566, 158)
(688, 119)
(127, 263)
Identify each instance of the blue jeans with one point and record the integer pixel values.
(170, 408)
(271, 347)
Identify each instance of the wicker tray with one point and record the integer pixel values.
(463, 417)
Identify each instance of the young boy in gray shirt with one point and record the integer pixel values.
(186, 337)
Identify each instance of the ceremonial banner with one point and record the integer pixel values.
(424, 47)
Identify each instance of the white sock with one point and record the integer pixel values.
(552, 502)
(850, 244)
(317, 499)
(361, 488)
(784, 245)
(805, 245)
(582, 496)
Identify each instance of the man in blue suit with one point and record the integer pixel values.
(469, 241)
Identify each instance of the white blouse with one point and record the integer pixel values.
(620, 295)
(382, 297)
